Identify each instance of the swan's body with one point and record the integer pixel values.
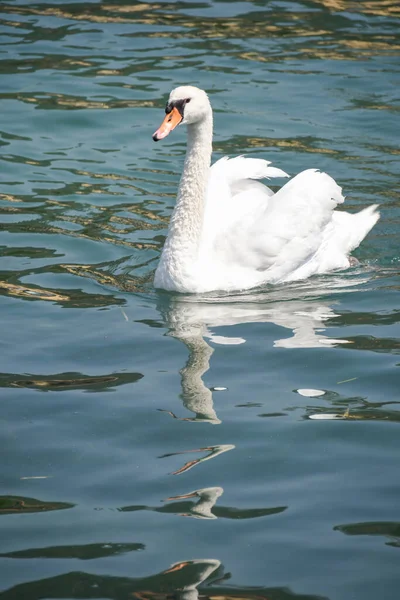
(229, 232)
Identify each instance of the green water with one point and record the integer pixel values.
(111, 414)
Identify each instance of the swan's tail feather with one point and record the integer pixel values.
(362, 224)
(348, 232)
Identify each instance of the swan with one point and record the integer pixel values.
(230, 232)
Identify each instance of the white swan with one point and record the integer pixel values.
(230, 232)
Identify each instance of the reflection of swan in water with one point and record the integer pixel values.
(207, 498)
(212, 452)
(181, 582)
(195, 395)
(200, 571)
(193, 321)
(190, 321)
(206, 507)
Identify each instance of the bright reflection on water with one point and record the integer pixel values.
(114, 483)
(193, 320)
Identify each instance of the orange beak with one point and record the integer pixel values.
(171, 120)
(177, 567)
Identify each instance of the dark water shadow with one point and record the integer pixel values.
(66, 381)
(81, 552)
(71, 298)
(389, 529)
(19, 504)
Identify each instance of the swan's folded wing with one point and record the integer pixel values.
(285, 234)
(233, 191)
(240, 167)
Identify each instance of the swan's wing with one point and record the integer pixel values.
(351, 229)
(239, 175)
(240, 168)
(233, 191)
(281, 237)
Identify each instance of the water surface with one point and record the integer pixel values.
(158, 446)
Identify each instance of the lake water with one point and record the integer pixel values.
(157, 446)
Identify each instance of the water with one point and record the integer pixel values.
(117, 402)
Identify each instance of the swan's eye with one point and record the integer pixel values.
(180, 105)
(187, 100)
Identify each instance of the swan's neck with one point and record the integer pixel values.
(182, 245)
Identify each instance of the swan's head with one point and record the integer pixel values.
(186, 105)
